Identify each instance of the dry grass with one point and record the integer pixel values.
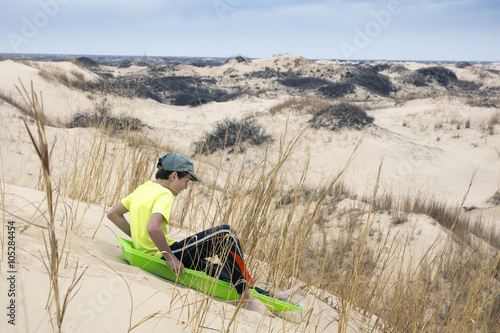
(307, 106)
(492, 122)
(52, 260)
(75, 62)
(495, 102)
(74, 79)
(479, 70)
(22, 106)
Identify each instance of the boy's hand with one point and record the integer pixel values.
(176, 265)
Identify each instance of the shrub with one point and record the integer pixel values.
(372, 80)
(230, 133)
(303, 82)
(194, 96)
(241, 59)
(101, 117)
(125, 64)
(336, 90)
(87, 62)
(417, 79)
(439, 74)
(467, 86)
(463, 64)
(341, 115)
(398, 69)
(179, 90)
(268, 73)
(381, 67)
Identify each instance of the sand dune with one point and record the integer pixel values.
(430, 140)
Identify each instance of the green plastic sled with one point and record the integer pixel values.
(195, 279)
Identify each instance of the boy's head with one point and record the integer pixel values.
(176, 162)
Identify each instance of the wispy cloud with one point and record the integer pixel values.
(314, 28)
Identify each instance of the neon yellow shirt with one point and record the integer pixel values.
(147, 199)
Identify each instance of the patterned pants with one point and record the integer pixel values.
(223, 242)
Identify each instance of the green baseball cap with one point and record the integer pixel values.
(179, 163)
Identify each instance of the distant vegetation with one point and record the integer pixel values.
(366, 77)
(242, 59)
(303, 82)
(87, 62)
(175, 90)
(441, 75)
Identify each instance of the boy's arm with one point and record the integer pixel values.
(158, 237)
(115, 214)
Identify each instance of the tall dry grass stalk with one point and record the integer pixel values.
(52, 260)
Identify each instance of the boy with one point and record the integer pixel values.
(150, 206)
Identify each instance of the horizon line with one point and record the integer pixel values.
(231, 57)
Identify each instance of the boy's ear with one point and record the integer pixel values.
(173, 175)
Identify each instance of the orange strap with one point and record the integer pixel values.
(241, 265)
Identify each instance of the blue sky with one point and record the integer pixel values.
(448, 30)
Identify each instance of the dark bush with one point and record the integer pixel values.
(381, 67)
(125, 64)
(439, 74)
(467, 86)
(373, 81)
(265, 74)
(241, 59)
(303, 82)
(154, 96)
(114, 123)
(101, 117)
(155, 69)
(341, 115)
(463, 64)
(336, 90)
(141, 85)
(87, 62)
(398, 69)
(231, 133)
(178, 90)
(169, 83)
(199, 63)
(415, 78)
(194, 96)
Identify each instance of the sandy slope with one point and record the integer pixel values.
(422, 149)
(103, 302)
